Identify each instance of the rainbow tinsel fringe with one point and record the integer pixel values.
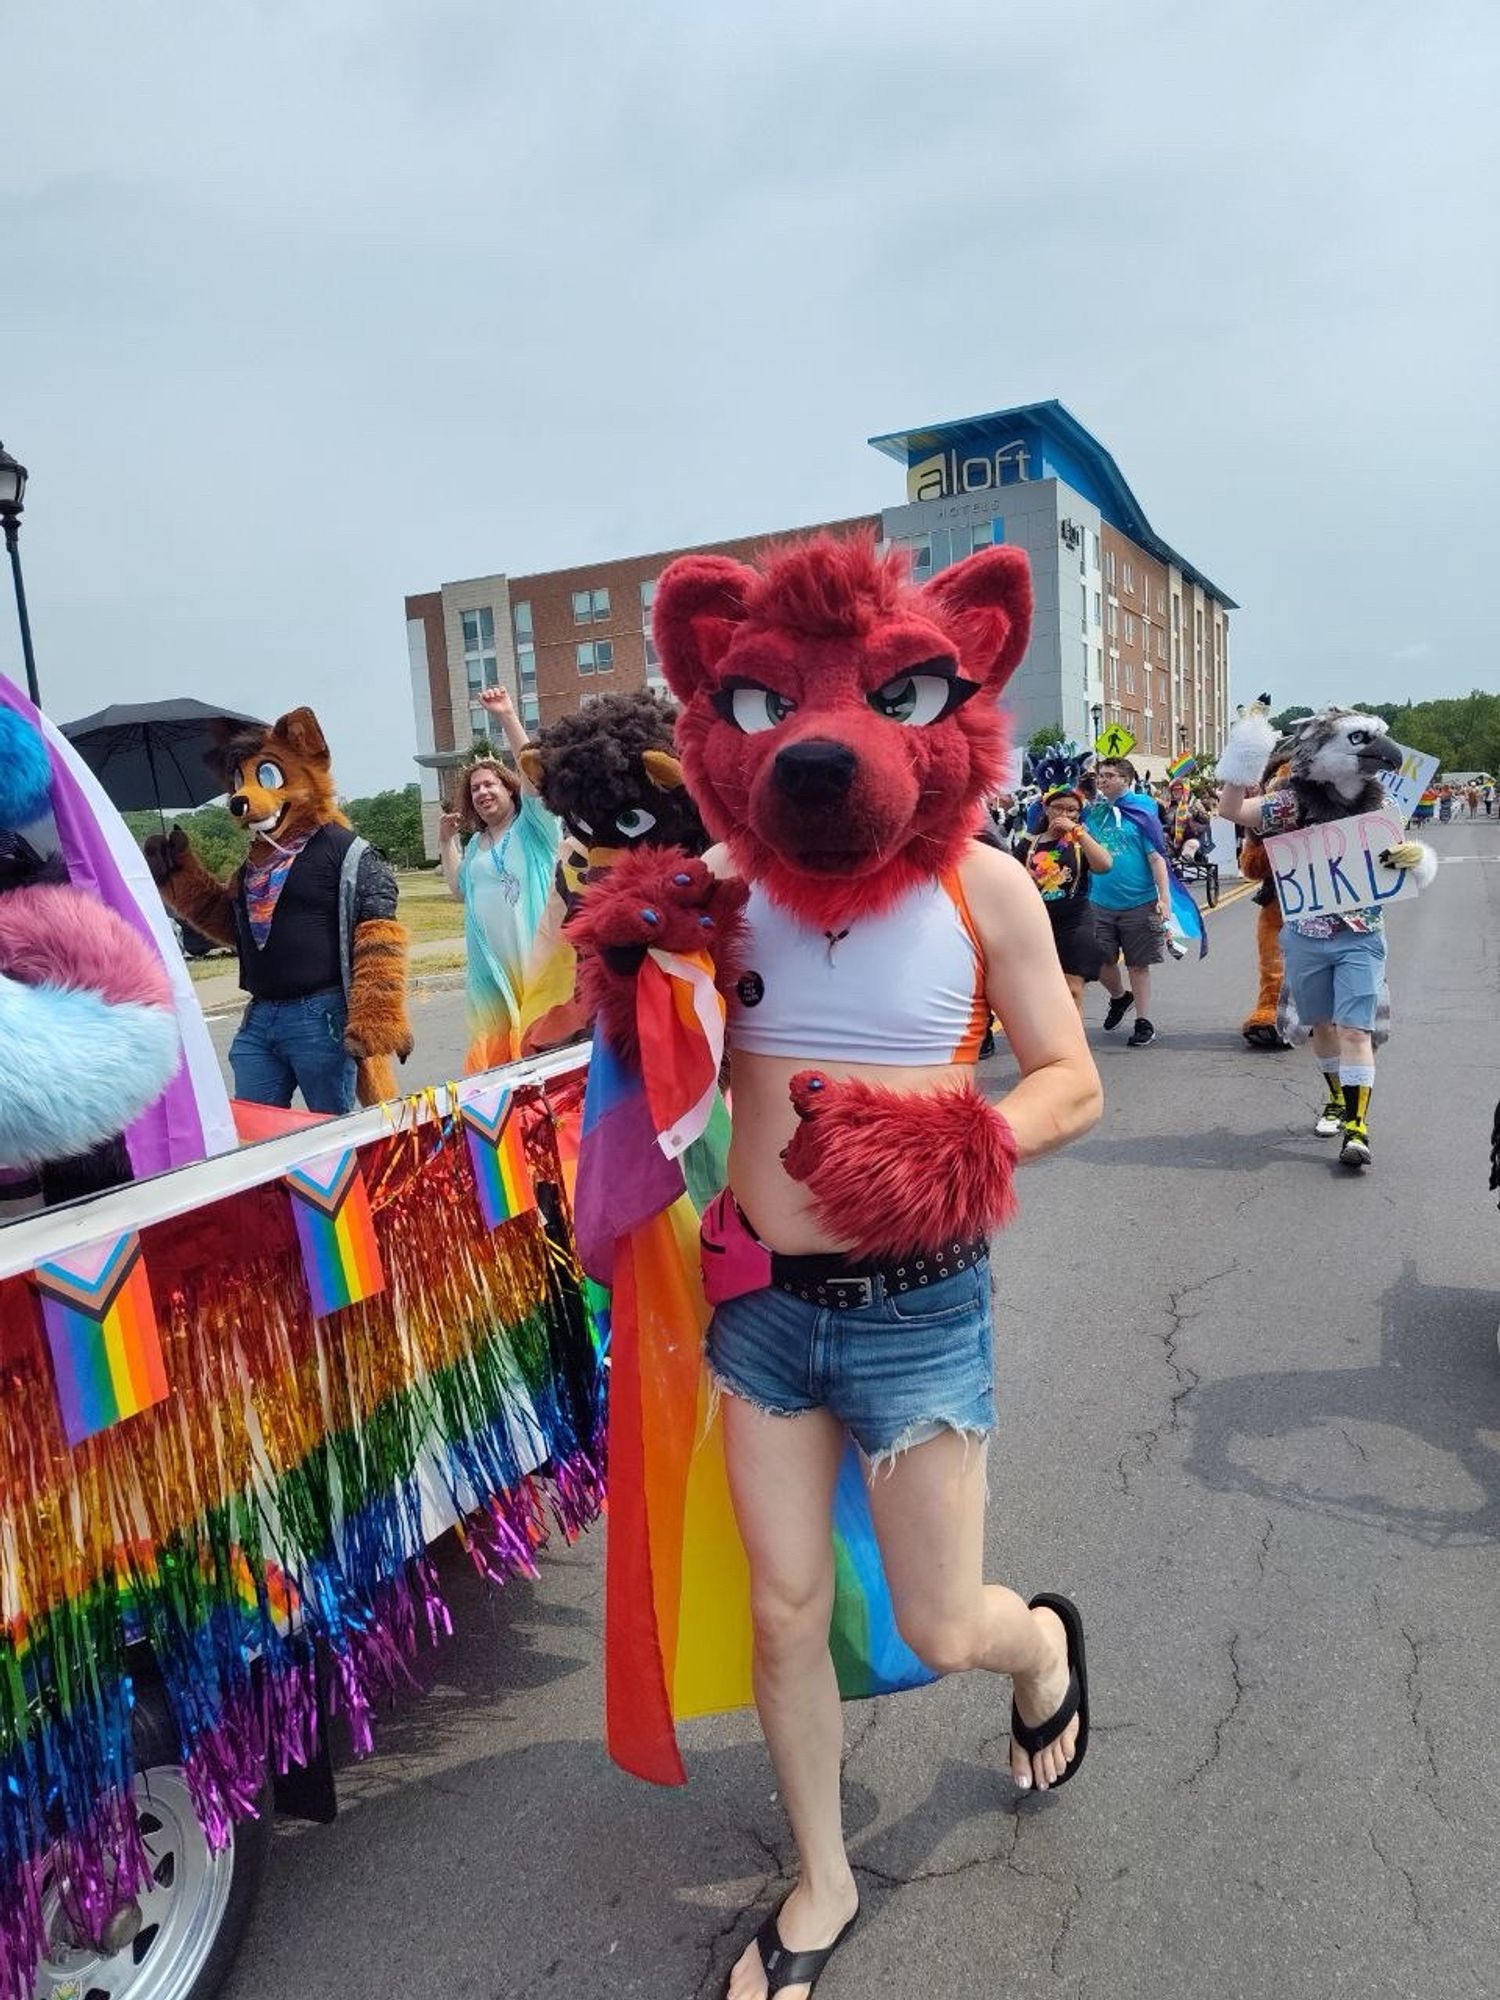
(275, 1511)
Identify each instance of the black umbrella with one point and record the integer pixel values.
(150, 755)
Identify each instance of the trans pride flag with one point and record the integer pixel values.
(677, 1585)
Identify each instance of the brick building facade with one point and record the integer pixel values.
(1126, 630)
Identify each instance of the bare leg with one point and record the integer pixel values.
(782, 1472)
(1354, 1046)
(1075, 987)
(1325, 1041)
(1140, 986)
(1110, 979)
(928, 1505)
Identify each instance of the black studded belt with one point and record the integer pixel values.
(831, 1281)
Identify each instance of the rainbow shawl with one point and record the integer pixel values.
(677, 1587)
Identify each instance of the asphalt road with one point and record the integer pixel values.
(1251, 1420)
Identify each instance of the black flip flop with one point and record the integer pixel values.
(1074, 1702)
(793, 1968)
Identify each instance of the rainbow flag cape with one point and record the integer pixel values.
(677, 1588)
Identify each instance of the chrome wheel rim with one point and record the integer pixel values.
(181, 1908)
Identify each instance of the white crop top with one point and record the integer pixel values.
(906, 987)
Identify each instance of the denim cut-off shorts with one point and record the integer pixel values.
(1337, 978)
(895, 1373)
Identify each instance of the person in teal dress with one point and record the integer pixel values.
(498, 852)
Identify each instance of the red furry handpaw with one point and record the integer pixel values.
(893, 1171)
(662, 900)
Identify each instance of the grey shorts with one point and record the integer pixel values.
(1137, 933)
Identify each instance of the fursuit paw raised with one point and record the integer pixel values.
(654, 899)
(165, 853)
(891, 1171)
(1248, 750)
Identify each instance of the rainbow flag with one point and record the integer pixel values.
(1181, 769)
(497, 1153)
(331, 1208)
(677, 1584)
(101, 1331)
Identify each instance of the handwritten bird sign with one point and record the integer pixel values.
(1405, 787)
(1116, 741)
(1330, 870)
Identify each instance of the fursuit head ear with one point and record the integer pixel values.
(301, 731)
(984, 603)
(699, 607)
(663, 770)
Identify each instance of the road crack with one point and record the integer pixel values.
(1240, 1687)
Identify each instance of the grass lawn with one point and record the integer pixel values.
(426, 908)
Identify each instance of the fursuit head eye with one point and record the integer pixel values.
(753, 708)
(270, 777)
(922, 694)
(635, 823)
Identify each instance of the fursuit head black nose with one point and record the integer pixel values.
(815, 772)
(239, 805)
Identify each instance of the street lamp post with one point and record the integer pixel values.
(12, 499)
(1097, 711)
(1182, 736)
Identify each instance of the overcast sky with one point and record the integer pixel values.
(305, 304)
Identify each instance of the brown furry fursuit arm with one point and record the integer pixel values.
(197, 898)
(378, 1028)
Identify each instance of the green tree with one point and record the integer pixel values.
(1284, 718)
(1044, 738)
(391, 821)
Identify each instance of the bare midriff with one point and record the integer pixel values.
(777, 1207)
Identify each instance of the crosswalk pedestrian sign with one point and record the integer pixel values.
(1116, 741)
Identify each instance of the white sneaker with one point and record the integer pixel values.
(1330, 1122)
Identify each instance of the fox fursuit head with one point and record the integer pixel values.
(840, 726)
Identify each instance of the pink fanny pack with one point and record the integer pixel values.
(734, 1259)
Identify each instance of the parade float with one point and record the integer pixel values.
(244, 1387)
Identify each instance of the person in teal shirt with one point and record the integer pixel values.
(1133, 901)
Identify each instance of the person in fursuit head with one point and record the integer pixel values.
(839, 733)
(498, 852)
(312, 913)
(1133, 903)
(1326, 768)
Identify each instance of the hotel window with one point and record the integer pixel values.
(531, 711)
(479, 648)
(1129, 625)
(1129, 579)
(1161, 643)
(648, 598)
(479, 722)
(521, 619)
(1098, 609)
(590, 607)
(1109, 567)
(1161, 600)
(986, 535)
(1112, 623)
(653, 658)
(1129, 678)
(921, 555)
(596, 656)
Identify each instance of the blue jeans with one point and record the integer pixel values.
(287, 1045)
(895, 1372)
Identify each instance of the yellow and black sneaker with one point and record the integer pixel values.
(1331, 1117)
(1355, 1151)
